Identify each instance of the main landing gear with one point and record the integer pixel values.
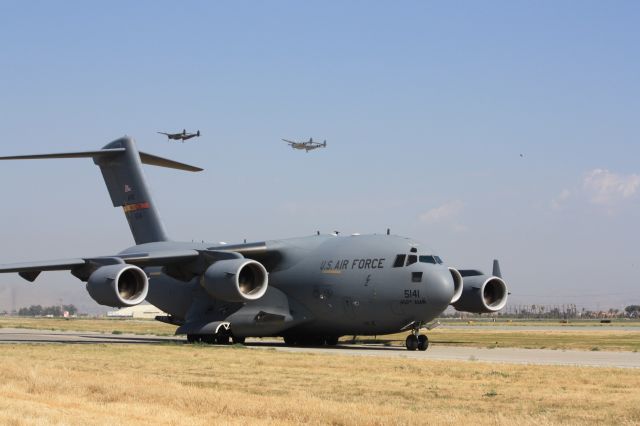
(222, 338)
(291, 340)
(417, 341)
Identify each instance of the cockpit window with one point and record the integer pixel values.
(411, 259)
(438, 260)
(470, 272)
(428, 259)
(399, 261)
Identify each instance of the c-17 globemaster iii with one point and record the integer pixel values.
(309, 290)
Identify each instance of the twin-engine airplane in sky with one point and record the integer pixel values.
(309, 290)
(181, 136)
(306, 145)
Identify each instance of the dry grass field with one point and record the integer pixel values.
(91, 324)
(195, 384)
(473, 335)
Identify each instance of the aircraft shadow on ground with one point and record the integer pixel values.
(92, 339)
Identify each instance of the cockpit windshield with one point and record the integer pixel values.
(431, 259)
(406, 260)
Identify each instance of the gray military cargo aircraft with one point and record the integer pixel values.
(306, 145)
(184, 136)
(309, 290)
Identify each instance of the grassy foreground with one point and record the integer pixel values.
(132, 326)
(474, 335)
(194, 384)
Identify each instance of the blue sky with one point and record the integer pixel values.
(426, 107)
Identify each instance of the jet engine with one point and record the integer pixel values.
(482, 294)
(118, 285)
(457, 285)
(235, 280)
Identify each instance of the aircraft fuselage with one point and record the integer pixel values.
(323, 284)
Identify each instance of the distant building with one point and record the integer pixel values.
(139, 311)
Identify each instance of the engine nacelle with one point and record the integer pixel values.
(482, 294)
(235, 280)
(457, 285)
(118, 285)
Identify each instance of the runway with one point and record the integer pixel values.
(435, 352)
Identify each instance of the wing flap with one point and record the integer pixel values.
(159, 258)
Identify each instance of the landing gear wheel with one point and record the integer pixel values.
(331, 340)
(222, 339)
(237, 340)
(208, 338)
(310, 341)
(289, 340)
(423, 342)
(411, 342)
(193, 338)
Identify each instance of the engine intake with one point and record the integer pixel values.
(482, 294)
(118, 285)
(235, 280)
(457, 285)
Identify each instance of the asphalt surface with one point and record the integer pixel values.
(435, 352)
(545, 327)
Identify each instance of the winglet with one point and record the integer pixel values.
(496, 269)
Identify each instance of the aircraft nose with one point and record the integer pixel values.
(440, 287)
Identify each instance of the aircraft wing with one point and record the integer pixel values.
(82, 267)
(290, 142)
(166, 134)
(47, 265)
(182, 264)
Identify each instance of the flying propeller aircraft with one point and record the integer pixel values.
(306, 145)
(181, 136)
(309, 290)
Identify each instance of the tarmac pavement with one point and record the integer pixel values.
(435, 352)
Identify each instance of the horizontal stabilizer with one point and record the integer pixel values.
(152, 160)
(79, 154)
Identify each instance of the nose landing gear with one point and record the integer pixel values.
(420, 342)
(416, 340)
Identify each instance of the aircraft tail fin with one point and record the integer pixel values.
(496, 269)
(120, 163)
